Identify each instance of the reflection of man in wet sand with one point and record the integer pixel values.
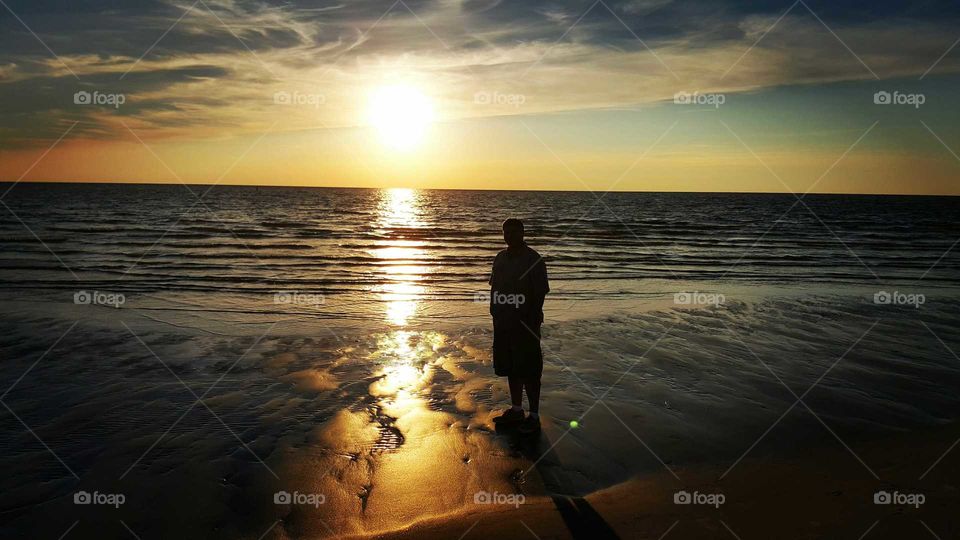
(518, 286)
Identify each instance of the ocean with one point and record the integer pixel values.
(363, 251)
(249, 240)
(184, 343)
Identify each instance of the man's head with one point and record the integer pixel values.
(513, 232)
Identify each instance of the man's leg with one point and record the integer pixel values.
(531, 424)
(533, 396)
(516, 392)
(515, 412)
(532, 383)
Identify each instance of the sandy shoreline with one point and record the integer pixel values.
(827, 494)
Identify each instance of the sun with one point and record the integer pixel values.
(401, 114)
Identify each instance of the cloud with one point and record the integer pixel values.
(216, 64)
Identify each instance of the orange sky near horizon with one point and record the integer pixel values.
(454, 159)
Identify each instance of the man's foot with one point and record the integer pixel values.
(510, 416)
(530, 425)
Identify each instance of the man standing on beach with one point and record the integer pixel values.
(518, 287)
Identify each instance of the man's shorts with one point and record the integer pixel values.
(516, 350)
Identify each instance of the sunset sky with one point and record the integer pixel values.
(488, 94)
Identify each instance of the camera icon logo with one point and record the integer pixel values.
(882, 297)
(82, 98)
(682, 298)
(482, 497)
(82, 497)
(882, 497)
(282, 98)
(882, 98)
(481, 98)
(282, 497)
(82, 297)
(682, 497)
(683, 98)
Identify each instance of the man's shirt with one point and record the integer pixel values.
(518, 286)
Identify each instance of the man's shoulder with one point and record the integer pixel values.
(532, 253)
(527, 254)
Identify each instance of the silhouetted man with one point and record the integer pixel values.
(518, 286)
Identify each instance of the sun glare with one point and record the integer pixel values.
(401, 114)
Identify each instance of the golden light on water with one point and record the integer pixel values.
(402, 351)
(400, 208)
(402, 374)
(395, 250)
(401, 301)
(406, 370)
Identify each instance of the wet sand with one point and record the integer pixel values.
(826, 494)
(392, 427)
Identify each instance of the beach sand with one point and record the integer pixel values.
(824, 494)
(392, 427)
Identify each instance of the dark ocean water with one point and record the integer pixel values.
(139, 238)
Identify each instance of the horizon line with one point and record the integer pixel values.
(283, 186)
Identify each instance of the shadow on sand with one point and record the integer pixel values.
(581, 519)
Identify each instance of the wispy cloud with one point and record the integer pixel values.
(220, 62)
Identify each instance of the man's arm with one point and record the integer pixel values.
(541, 285)
(493, 275)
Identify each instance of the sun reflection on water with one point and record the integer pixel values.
(401, 301)
(414, 429)
(405, 354)
(399, 210)
(406, 370)
(408, 426)
(400, 207)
